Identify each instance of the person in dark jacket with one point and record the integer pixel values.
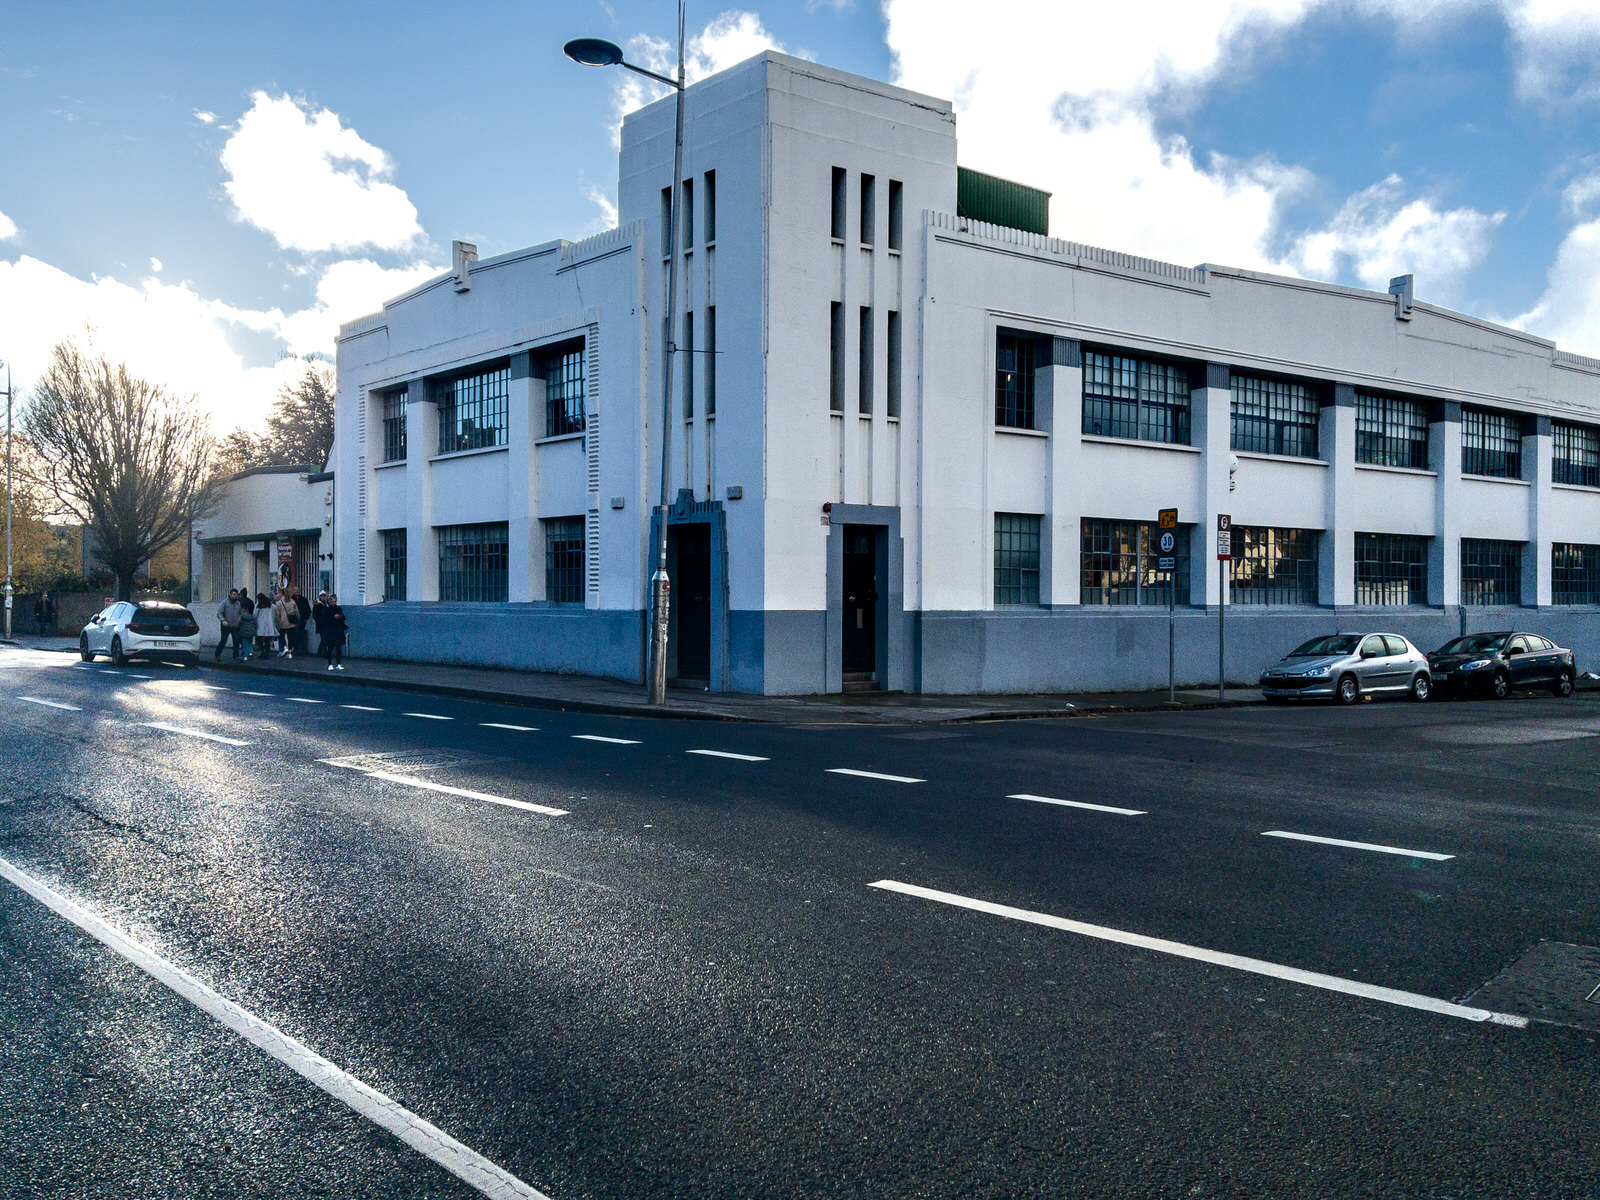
(318, 611)
(303, 607)
(333, 629)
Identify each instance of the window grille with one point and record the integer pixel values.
(394, 425)
(562, 368)
(1119, 564)
(1491, 444)
(472, 409)
(1577, 454)
(1491, 572)
(1574, 573)
(1391, 569)
(563, 560)
(1016, 558)
(1013, 381)
(1273, 566)
(1139, 398)
(394, 564)
(1391, 432)
(473, 562)
(1274, 416)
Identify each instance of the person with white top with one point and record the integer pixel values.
(266, 627)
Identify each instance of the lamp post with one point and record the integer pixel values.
(8, 501)
(593, 52)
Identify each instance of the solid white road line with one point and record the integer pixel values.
(874, 775)
(302, 700)
(428, 716)
(51, 703)
(1238, 962)
(426, 1138)
(361, 707)
(595, 737)
(412, 781)
(517, 728)
(729, 754)
(1105, 808)
(199, 733)
(1323, 841)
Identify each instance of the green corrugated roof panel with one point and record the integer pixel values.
(1001, 202)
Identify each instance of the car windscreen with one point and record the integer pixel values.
(1338, 643)
(1474, 643)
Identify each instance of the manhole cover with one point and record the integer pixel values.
(407, 761)
(1555, 982)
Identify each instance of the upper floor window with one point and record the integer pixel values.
(1491, 444)
(1391, 432)
(710, 206)
(896, 213)
(394, 425)
(562, 369)
(472, 409)
(1128, 397)
(1013, 381)
(1577, 454)
(1274, 416)
(869, 206)
(686, 220)
(840, 201)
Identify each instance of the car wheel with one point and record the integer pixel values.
(117, 656)
(1500, 685)
(1563, 685)
(83, 648)
(1348, 691)
(1421, 687)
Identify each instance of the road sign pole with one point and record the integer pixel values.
(1222, 607)
(1172, 643)
(1167, 561)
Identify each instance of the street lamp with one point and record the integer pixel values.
(593, 52)
(8, 501)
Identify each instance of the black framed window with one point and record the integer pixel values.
(1119, 564)
(1391, 431)
(394, 425)
(473, 408)
(896, 213)
(688, 366)
(394, 564)
(686, 220)
(473, 562)
(839, 184)
(711, 358)
(711, 207)
(563, 560)
(562, 370)
(891, 364)
(1129, 397)
(836, 357)
(1574, 573)
(1273, 566)
(1491, 444)
(1274, 416)
(864, 363)
(1491, 571)
(1013, 381)
(1016, 558)
(1577, 454)
(1391, 569)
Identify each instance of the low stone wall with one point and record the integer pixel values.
(73, 609)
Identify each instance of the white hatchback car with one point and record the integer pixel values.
(141, 629)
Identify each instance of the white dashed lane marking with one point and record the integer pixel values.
(426, 785)
(50, 703)
(729, 754)
(194, 733)
(428, 716)
(267, 694)
(595, 737)
(1326, 841)
(874, 775)
(517, 728)
(1105, 808)
(361, 707)
(301, 700)
(1255, 966)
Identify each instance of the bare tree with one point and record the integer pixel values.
(119, 454)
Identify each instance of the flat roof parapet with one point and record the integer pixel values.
(983, 231)
(601, 243)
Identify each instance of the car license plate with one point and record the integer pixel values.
(169, 645)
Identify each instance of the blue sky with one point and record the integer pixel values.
(212, 187)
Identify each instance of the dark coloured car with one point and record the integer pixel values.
(1496, 664)
(1347, 666)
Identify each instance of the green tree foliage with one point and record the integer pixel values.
(299, 431)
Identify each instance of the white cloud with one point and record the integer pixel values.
(602, 200)
(726, 41)
(348, 289)
(1569, 310)
(1556, 44)
(204, 117)
(155, 265)
(313, 184)
(8, 228)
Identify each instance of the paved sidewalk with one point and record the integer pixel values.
(581, 693)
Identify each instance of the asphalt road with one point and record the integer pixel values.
(687, 984)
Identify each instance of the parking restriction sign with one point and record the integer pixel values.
(1224, 537)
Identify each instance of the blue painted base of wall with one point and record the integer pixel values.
(572, 641)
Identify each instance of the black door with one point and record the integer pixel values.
(860, 649)
(691, 601)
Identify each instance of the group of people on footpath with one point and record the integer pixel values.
(277, 625)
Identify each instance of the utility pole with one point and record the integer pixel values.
(8, 502)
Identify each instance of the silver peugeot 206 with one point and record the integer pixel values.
(1347, 666)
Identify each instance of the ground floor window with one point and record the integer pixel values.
(563, 560)
(1121, 564)
(472, 562)
(1491, 572)
(1016, 558)
(1391, 569)
(394, 564)
(1574, 573)
(1274, 566)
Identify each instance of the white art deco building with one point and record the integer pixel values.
(919, 444)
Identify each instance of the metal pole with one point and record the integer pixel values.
(661, 586)
(1222, 607)
(1172, 637)
(8, 502)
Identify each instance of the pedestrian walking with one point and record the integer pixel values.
(38, 616)
(318, 610)
(302, 608)
(266, 626)
(51, 613)
(229, 615)
(247, 624)
(285, 616)
(333, 629)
